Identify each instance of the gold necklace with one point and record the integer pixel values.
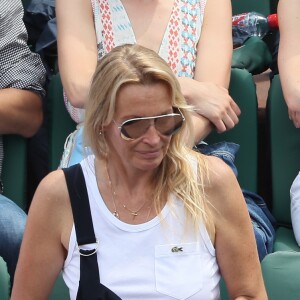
(113, 194)
(134, 213)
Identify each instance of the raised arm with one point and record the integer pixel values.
(289, 56)
(44, 245)
(234, 237)
(77, 48)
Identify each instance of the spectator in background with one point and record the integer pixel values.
(22, 76)
(289, 70)
(289, 56)
(182, 32)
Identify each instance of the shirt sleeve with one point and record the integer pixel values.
(295, 207)
(19, 66)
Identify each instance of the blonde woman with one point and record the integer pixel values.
(167, 221)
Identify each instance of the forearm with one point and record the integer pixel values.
(77, 48)
(77, 87)
(289, 66)
(289, 51)
(202, 128)
(20, 112)
(212, 102)
(214, 55)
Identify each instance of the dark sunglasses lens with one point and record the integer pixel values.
(165, 125)
(169, 125)
(134, 129)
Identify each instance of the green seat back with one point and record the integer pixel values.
(284, 143)
(284, 152)
(261, 6)
(14, 169)
(242, 89)
(60, 122)
(281, 275)
(285, 240)
(25, 3)
(60, 290)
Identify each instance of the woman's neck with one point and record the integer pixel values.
(127, 194)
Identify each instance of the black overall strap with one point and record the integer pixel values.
(89, 284)
(80, 205)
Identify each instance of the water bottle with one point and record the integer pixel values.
(250, 24)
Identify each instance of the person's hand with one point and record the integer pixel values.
(212, 102)
(294, 114)
(218, 107)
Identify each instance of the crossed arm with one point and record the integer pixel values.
(208, 91)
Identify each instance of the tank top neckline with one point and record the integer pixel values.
(89, 167)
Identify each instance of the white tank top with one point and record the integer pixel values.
(137, 261)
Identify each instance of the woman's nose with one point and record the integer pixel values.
(152, 135)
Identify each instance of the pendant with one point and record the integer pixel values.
(115, 213)
(134, 213)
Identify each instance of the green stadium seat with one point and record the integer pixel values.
(261, 6)
(25, 3)
(14, 169)
(243, 90)
(281, 275)
(284, 143)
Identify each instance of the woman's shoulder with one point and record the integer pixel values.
(52, 190)
(216, 168)
(220, 177)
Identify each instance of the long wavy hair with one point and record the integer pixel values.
(134, 64)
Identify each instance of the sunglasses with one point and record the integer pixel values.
(166, 125)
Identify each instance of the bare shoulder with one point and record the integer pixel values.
(52, 192)
(222, 187)
(219, 173)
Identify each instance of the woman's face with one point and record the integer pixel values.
(146, 152)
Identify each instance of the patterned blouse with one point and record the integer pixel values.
(178, 47)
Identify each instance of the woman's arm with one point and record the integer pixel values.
(20, 112)
(234, 237)
(209, 89)
(289, 56)
(77, 48)
(44, 245)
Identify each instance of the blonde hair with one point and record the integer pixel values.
(134, 64)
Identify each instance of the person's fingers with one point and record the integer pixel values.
(296, 119)
(235, 108)
(226, 120)
(220, 126)
(294, 116)
(233, 116)
(290, 113)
